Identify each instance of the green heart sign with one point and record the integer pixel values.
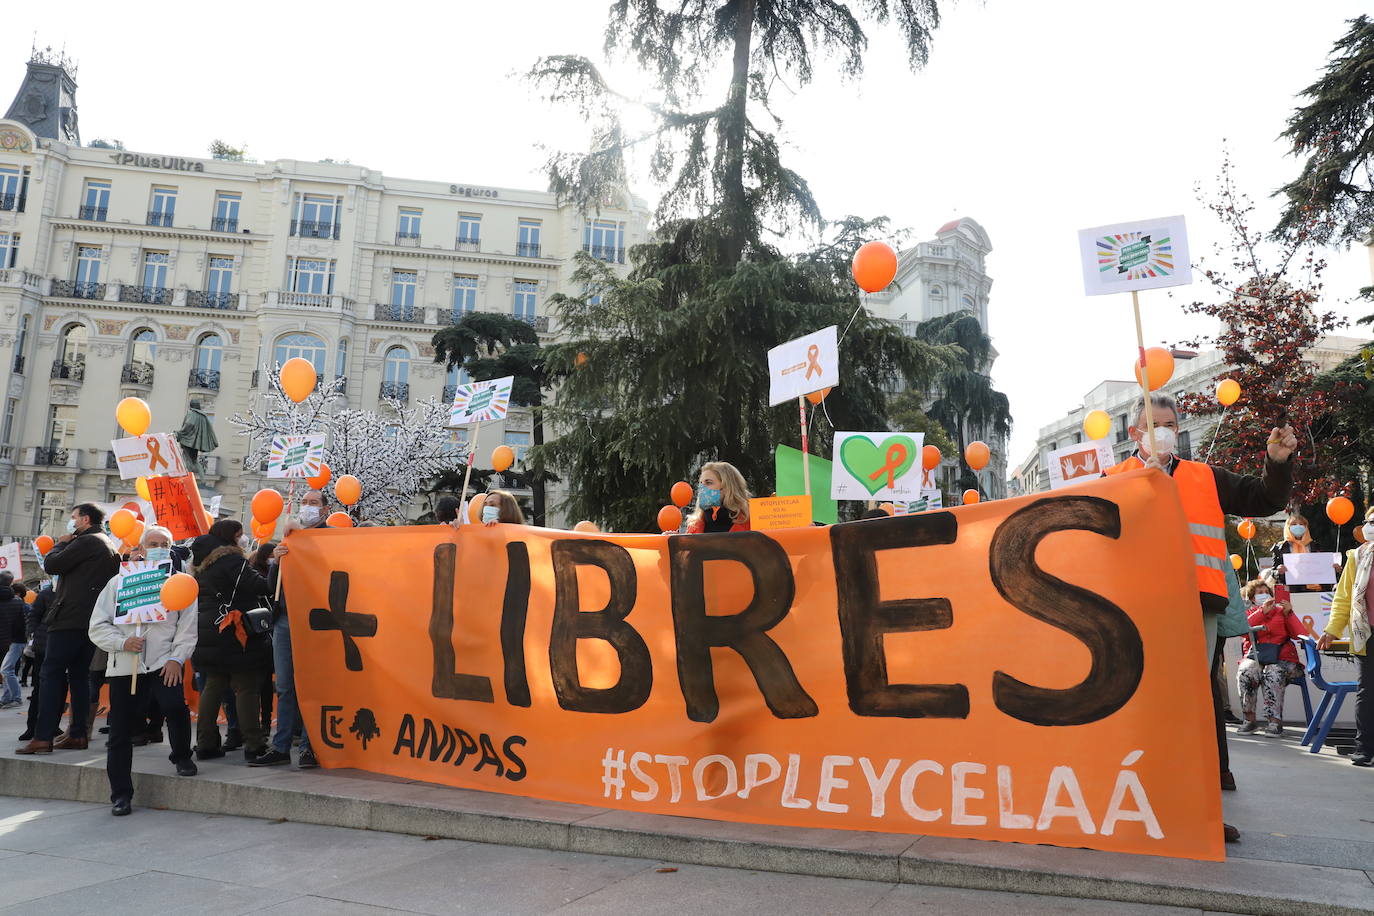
(878, 466)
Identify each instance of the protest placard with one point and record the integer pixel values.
(1311, 568)
(1077, 463)
(145, 456)
(177, 503)
(138, 592)
(1146, 254)
(804, 365)
(929, 499)
(789, 477)
(771, 512)
(9, 559)
(296, 456)
(882, 466)
(480, 402)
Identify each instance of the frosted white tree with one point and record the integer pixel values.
(392, 453)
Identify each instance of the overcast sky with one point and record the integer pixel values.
(1036, 119)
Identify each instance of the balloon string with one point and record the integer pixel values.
(863, 300)
(1216, 432)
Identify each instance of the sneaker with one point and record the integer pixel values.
(270, 758)
(1362, 760)
(1273, 730)
(307, 760)
(1249, 728)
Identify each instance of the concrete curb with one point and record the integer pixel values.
(349, 799)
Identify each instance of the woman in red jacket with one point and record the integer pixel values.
(1269, 659)
(722, 500)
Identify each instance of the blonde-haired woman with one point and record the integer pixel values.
(722, 500)
(1350, 607)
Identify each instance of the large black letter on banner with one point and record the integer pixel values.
(515, 607)
(697, 631)
(865, 620)
(448, 683)
(571, 623)
(1118, 657)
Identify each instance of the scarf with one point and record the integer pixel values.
(1359, 610)
(235, 619)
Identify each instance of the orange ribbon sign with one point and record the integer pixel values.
(895, 458)
(813, 361)
(996, 671)
(155, 454)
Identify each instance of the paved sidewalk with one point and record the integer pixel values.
(72, 857)
(1307, 823)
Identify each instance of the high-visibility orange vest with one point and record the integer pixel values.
(1197, 488)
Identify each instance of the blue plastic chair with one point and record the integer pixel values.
(1326, 713)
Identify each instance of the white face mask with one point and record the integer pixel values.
(159, 554)
(71, 526)
(1368, 531)
(309, 515)
(1166, 440)
(1261, 597)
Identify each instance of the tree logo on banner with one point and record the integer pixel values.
(481, 401)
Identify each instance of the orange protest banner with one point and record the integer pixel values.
(767, 513)
(176, 502)
(1000, 671)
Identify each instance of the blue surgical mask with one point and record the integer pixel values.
(708, 498)
(71, 526)
(490, 514)
(1298, 530)
(159, 554)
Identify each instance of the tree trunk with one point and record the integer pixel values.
(537, 483)
(734, 205)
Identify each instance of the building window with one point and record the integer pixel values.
(969, 305)
(604, 240)
(312, 275)
(143, 347)
(456, 376)
(9, 249)
(1185, 445)
(408, 225)
(209, 353)
(52, 512)
(14, 186)
(403, 285)
(163, 207)
(527, 242)
(396, 366)
(219, 281)
(74, 345)
(88, 260)
(519, 442)
(317, 216)
(341, 359)
(525, 294)
(155, 270)
(937, 291)
(306, 346)
(21, 344)
(61, 426)
(469, 232)
(96, 201)
(464, 295)
(226, 218)
(7, 429)
(1123, 427)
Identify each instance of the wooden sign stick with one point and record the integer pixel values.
(1144, 374)
(467, 474)
(133, 681)
(806, 452)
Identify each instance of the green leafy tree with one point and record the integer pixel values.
(907, 413)
(221, 150)
(490, 345)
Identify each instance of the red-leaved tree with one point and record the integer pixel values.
(1266, 300)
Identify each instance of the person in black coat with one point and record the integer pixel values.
(227, 652)
(11, 640)
(36, 630)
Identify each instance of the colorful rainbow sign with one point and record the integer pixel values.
(1133, 256)
(479, 402)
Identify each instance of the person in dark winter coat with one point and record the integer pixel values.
(83, 561)
(226, 651)
(37, 632)
(11, 640)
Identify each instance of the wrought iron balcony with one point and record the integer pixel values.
(528, 249)
(449, 392)
(137, 374)
(159, 218)
(52, 457)
(539, 322)
(13, 202)
(408, 239)
(314, 229)
(205, 379)
(608, 253)
(201, 299)
(253, 379)
(94, 214)
(224, 224)
(343, 383)
(70, 370)
(147, 295)
(111, 461)
(18, 364)
(397, 391)
(405, 314)
(473, 243)
(76, 289)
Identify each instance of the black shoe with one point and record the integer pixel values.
(307, 761)
(153, 738)
(104, 729)
(1230, 834)
(187, 767)
(140, 741)
(1228, 782)
(210, 754)
(270, 758)
(1231, 718)
(1362, 760)
(27, 736)
(122, 807)
(233, 740)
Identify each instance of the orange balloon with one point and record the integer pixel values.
(262, 531)
(681, 493)
(971, 497)
(586, 527)
(267, 505)
(141, 485)
(43, 543)
(297, 378)
(875, 264)
(502, 457)
(977, 454)
(348, 489)
(930, 457)
(1246, 529)
(1228, 392)
(581, 360)
(179, 591)
(339, 520)
(30, 597)
(888, 508)
(1359, 538)
(1159, 363)
(134, 415)
(135, 535)
(1340, 510)
(816, 397)
(319, 483)
(669, 519)
(133, 509)
(122, 524)
(475, 508)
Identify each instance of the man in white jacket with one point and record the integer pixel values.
(158, 656)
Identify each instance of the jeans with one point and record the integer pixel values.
(66, 664)
(289, 718)
(127, 718)
(245, 684)
(11, 672)
(34, 693)
(1214, 645)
